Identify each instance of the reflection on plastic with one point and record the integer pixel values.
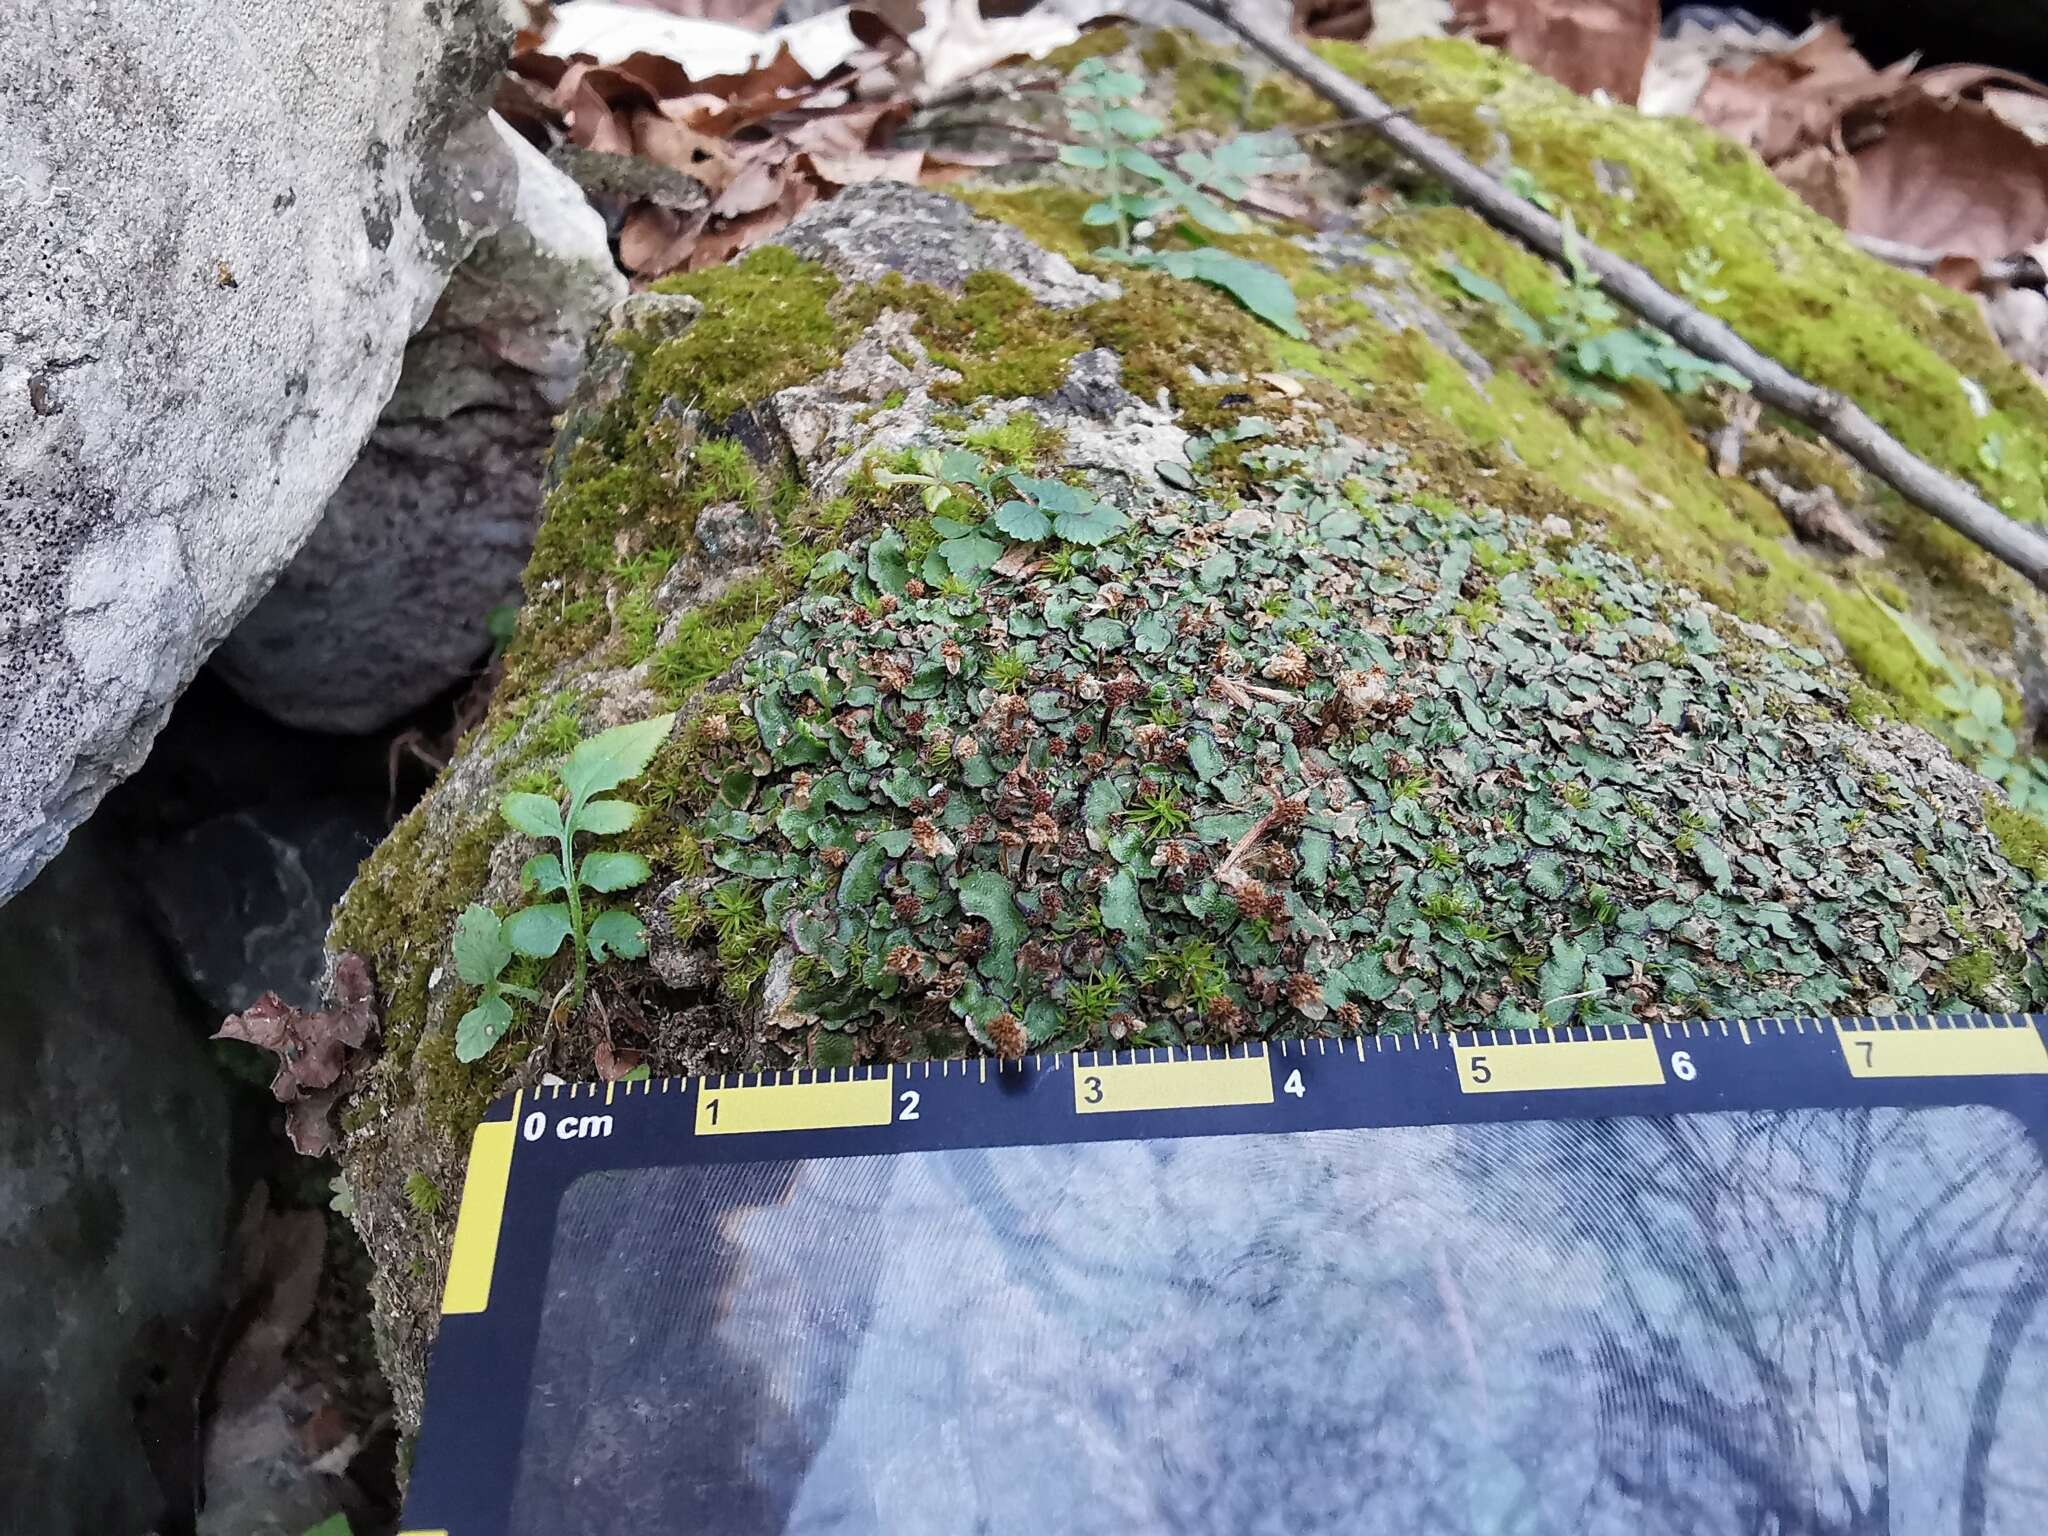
(1781, 1322)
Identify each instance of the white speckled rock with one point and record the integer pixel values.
(218, 226)
(386, 604)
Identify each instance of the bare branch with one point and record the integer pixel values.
(1840, 420)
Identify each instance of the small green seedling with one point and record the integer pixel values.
(1592, 347)
(1140, 190)
(1977, 725)
(484, 946)
(1020, 506)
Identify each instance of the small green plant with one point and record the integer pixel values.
(1088, 1004)
(1023, 507)
(485, 945)
(1006, 671)
(1160, 814)
(1587, 338)
(1140, 190)
(1977, 719)
(422, 1193)
(1697, 270)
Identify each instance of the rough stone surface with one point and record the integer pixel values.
(243, 899)
(886, 226)
(113, 1190)
(218, 227)
(386, 604)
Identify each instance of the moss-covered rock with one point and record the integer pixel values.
(1380, 680)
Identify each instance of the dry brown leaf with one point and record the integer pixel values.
(754, 15)
(313, 1050)
(1589, 45)
(1951, 177)
(1786, 102)
(1823, 177)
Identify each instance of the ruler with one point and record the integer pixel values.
(533, 1146)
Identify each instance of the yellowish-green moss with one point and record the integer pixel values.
(2024, 839)
(1796, 288)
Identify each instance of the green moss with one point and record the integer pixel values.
(2024, 839)
(1796, 288)
(1019, 438)
(766, 325)
(1097, 43)
(710, 638)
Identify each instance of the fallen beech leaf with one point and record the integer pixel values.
(653, 239)
(1784, 102)
(612, 1065)
(1951, 177)
(1589, 45)
(852, 170)
(957, 40)
(1823, 177)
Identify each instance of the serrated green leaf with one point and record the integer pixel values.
(1104, 802)
(543, 873)
(1121, 907)
(1096, 524)
(601, 818)
(1021, 520)
(1546, 875)
(617, 932)
(612, 871)
(482, 1027)
(538, 931)
(1487, 291)
(970, 556)
(611, 757)
(1315, 855)
(1711, 859)
(1368, 977)
(480, 948)
(535, 815)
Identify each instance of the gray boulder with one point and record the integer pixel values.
(218, 226)
(386, 604)
(243, 899)
(113, 1190)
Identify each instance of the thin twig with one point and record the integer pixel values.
(2020, 271)
(1834, 416)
